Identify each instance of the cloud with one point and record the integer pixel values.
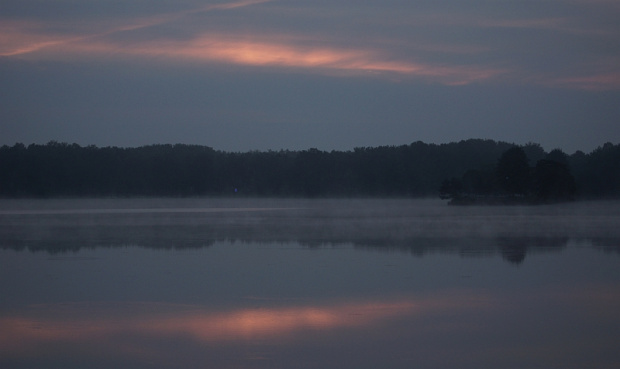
(24, 37)
(260, 51)
(598, 82)
(245, 50)
(452, 45)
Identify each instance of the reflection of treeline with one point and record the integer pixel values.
(512, 249)
(418, 169)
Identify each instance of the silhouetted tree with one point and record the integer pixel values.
(601, 174)
(478, 182)
(513, 172)
(534, 152)
(558, 156)
(482, 167)
(451, 189)
(553, 181)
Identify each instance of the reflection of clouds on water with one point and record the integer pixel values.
(144, 330)
(72, 323)
(262, 297)
(415, 226)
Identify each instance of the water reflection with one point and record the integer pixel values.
(197, 283)
(90, 321)
(417, 227)
(460, 320)
(150, 326)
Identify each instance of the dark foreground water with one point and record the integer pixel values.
(242, 283)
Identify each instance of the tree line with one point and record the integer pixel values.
(513, 180)
(415, 170)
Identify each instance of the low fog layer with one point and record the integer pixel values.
(417, 226)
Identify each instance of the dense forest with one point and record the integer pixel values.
(513, 180)
(415, 170)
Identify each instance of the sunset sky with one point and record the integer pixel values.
(295, 74)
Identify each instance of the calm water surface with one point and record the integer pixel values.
(247, 283)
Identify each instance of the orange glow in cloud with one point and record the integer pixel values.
(601, 82)
(32, 40)
(281, 53)
(17, 38)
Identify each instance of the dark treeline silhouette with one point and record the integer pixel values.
(415, 170)
(512, 180)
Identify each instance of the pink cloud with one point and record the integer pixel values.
(258, 52)
(276, 51)
(396, 59)
(593, 82)
(24, 37)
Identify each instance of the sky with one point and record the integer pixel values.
(240, 75)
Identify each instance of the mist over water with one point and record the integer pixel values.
(61, 225)
(327, 283)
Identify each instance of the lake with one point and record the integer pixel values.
(296, 283)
